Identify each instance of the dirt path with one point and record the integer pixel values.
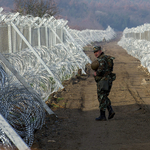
(76, 128)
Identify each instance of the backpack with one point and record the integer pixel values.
(110, 66)
(110, 62)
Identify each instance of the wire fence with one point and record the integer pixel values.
(136, 41)
(38, 54)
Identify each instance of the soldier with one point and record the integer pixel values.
(104, 40)
(103, 75)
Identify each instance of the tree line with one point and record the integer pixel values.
(97, 14)
(119, 14)
(36, 7)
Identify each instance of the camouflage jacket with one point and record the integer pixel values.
(103, 72)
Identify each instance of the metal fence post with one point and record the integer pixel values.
(9, 39)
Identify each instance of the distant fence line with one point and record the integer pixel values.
(139, 36)
(37, 34)
(139, 33)
(136, 41)
(46, 31)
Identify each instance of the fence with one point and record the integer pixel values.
(37, 55)
(138, 33)
(136, 41)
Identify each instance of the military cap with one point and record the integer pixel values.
(96, 48)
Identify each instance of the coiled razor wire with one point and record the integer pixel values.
(4, 82)
(57, 60)
(22, 110)
(24, 113)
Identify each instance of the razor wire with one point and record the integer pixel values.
(136, 41)
(4, 84)
(21, 109)
(57, 59)
(87, 36)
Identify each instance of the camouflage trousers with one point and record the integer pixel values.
(103, 93)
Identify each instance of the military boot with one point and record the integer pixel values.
(102, 116)
(111, 112)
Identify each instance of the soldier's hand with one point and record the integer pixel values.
(94, 73)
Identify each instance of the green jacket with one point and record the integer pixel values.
(103, 72)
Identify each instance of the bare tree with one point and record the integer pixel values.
(36, 7)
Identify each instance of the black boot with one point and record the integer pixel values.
(111, 112)
(102, 116)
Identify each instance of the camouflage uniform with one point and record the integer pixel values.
(104, 82)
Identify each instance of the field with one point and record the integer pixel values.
(76, 108)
